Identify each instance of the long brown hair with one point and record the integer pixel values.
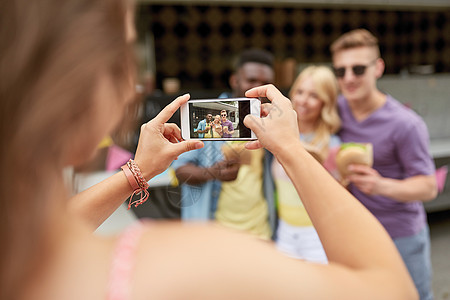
(51, 55)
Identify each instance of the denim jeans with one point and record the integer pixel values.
(415, 251)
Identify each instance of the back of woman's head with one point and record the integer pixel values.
(52, 54)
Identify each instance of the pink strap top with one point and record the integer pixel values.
(119, 285)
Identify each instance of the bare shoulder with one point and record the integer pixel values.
(183, 261)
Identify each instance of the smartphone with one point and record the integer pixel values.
(218, 119)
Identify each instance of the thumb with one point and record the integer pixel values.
(253, 145)
(186, 146)
(254, 123)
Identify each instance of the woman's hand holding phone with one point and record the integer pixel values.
(160, 143)
(278, 127)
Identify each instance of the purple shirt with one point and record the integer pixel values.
(230, 128)
(401, 149)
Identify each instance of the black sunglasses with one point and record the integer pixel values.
(358, 70)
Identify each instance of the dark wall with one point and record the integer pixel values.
(197, 43)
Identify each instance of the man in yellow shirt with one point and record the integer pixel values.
(239, 196)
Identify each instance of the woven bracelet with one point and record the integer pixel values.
(137, 182)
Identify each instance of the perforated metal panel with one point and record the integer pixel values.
(196, 43)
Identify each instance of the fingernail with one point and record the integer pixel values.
(198, 145)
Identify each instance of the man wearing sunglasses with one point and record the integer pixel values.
(402, 176)
(227, 126)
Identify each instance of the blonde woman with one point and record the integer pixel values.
(313, 97)
(217, 127)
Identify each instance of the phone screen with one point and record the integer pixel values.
(219, 119)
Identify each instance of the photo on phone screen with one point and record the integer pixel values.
(219, 119)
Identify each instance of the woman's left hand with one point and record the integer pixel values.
(160, 143)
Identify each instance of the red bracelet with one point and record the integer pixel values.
(137, 174)
(137, 182)
(130, 177)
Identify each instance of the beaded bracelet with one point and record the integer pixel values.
(137, 182)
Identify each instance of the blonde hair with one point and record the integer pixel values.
(354, 39)
(52, 54)
(327, 91)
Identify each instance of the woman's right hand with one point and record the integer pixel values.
(278, 127)
(160, 143)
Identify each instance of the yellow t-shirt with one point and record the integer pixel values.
(215, 134)
(242, 204)
(290, 207)
(208, 132)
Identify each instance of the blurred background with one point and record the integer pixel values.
(194, 41)
(189, 46)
